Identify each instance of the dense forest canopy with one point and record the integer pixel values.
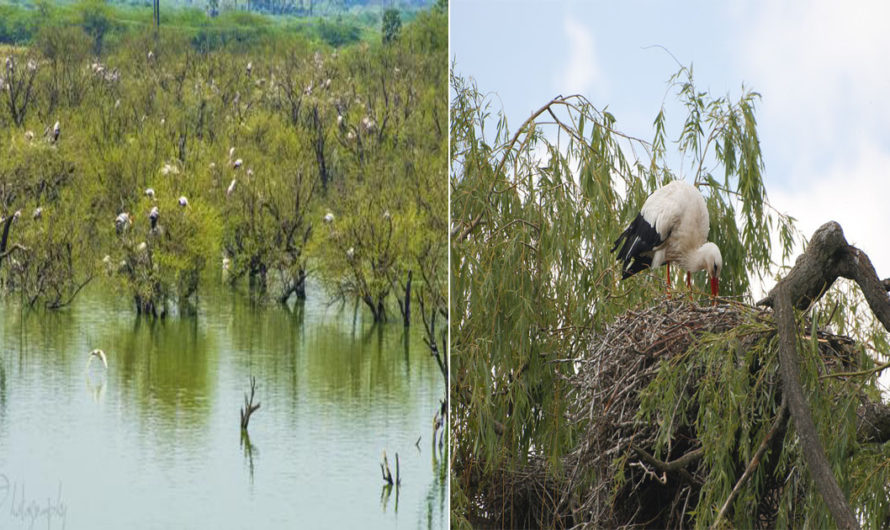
(579, 399)
(211, 24)
(160, 162)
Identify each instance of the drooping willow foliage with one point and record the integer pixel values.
(534, 215)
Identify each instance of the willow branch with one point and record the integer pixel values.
(755, 461)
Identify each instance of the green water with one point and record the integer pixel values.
(154, 441)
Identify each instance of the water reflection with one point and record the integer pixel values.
(334, 387)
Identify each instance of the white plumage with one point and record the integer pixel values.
(672, 227)
(100, 355)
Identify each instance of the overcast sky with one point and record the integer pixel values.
(822, 68)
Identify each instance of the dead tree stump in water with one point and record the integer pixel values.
(249, 407)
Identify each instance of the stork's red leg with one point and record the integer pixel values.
(667, 274)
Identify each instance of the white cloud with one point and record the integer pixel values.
(853, 195)
(582, 70)
(820, 68)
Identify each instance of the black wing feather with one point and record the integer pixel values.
(637, 243)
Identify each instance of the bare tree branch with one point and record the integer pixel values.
(827, 257)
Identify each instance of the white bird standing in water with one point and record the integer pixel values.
(671, 227)
(100, 355)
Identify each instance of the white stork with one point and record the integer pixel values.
(150, 193)
(237, 164)
(100, 355)
(672, 227)
(57, 130)
(122, 222)
(183, 201)
(231, 188)
(153, 216)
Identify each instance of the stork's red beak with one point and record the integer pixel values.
(714, 284)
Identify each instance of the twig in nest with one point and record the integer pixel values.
(675, 466)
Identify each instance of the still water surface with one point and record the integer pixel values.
(154, 441)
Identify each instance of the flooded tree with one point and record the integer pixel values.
(261, 136)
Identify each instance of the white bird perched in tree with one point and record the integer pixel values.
(57, 130)
(99, 354)
(38, 213)
(150, 192)
(231, 188)
(153, 217)
(369, 124)
(237, 164)
(328, 218)
(672, 226)
(122, 222)
(350, 253)
(183, 201)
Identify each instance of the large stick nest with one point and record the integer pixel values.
(605, 400)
